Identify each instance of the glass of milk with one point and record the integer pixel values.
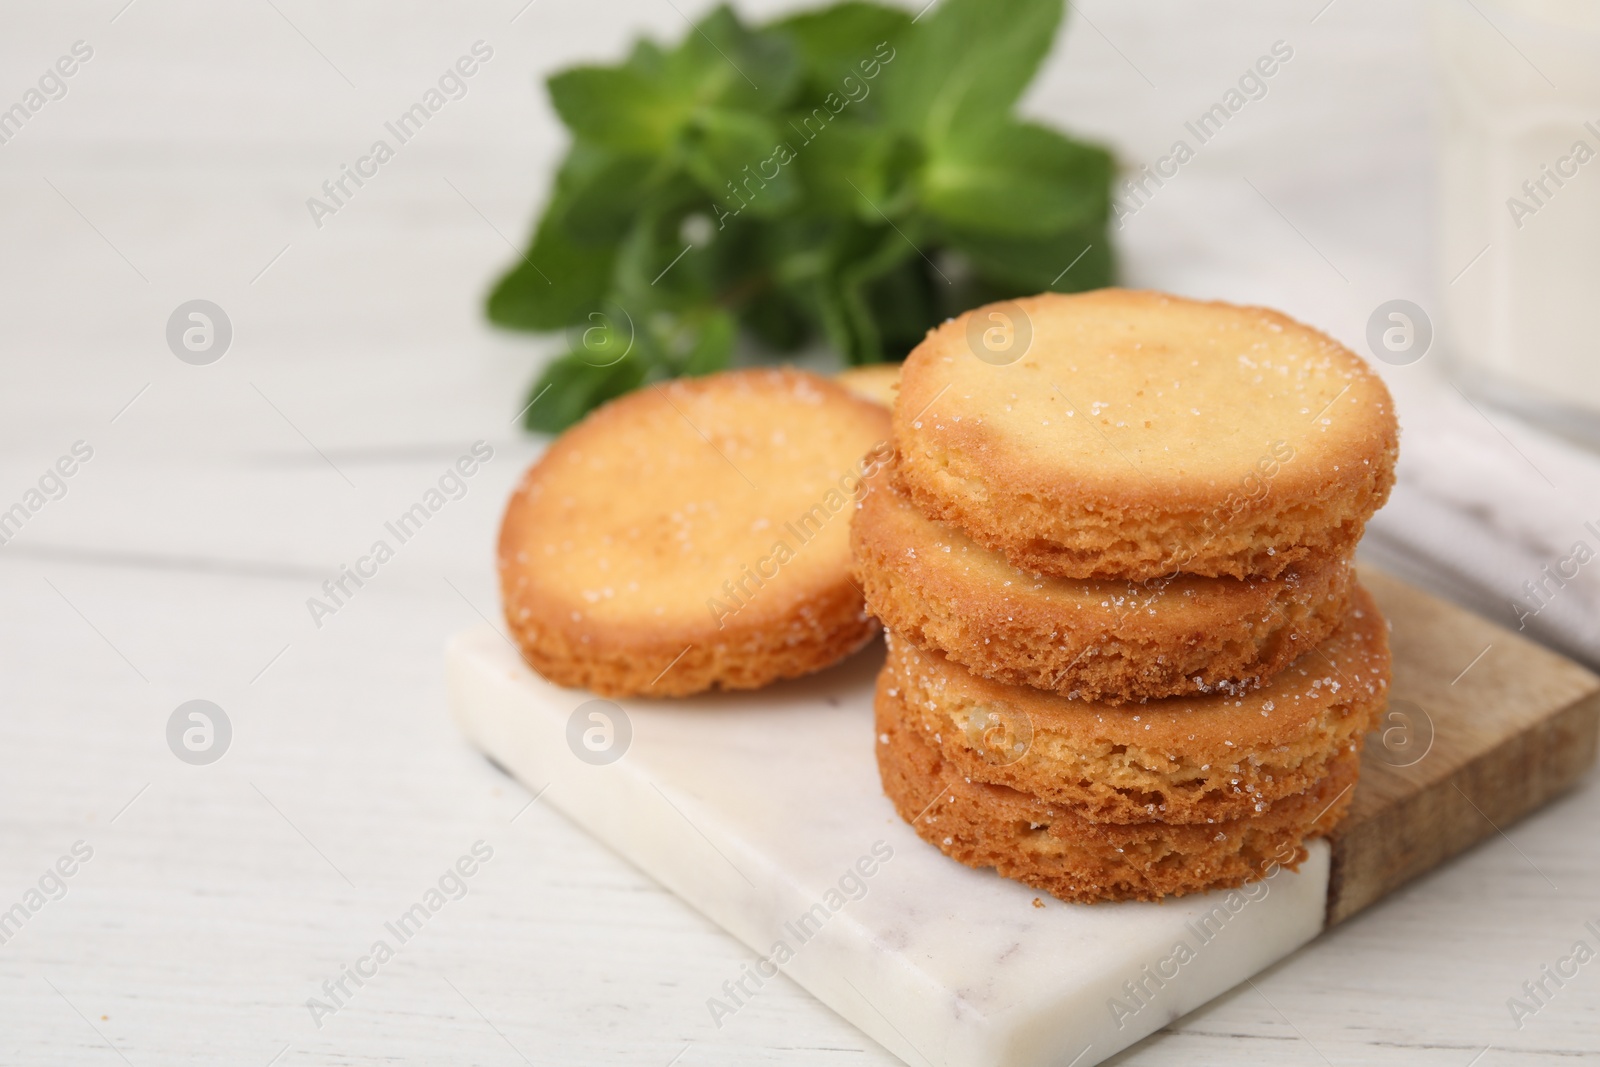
(1519, 248)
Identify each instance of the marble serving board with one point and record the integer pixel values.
(764, 811)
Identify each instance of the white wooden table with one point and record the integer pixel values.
(218, 898)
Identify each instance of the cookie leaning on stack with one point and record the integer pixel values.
(1129, 657)
(693, 535)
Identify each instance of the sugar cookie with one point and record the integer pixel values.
(1181, 760)
(694, 534)
(1096, 639)
(1130, 434)
(1045, 846)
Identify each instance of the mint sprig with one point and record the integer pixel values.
(841, 173)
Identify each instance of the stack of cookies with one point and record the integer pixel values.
(1128, 653)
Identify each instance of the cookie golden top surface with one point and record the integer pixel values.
(636, 518)
(1138, 397)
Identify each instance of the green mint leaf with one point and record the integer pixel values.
(842, 171)
(555, 284)
(570, 388)
(826, 265)
(726, 64)
(656, 270)
(1066, 262)
(826, 304)
(712, 349)
(647, 60)
(643, 105)
(966, 63)
(850, 41)
(856, 284)
(601, 208)
(905, 303)
(617, 108)
(854, 169)
(1016, 179)
(743, 161)
(609, 334)
(775, 319)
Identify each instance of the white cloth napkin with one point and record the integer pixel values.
(1495, 514)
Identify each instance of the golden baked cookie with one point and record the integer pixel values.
(1095, 639)
(875, 381)
(1182, 760)
(694, 534)
(1051, 848)
(1125, 434)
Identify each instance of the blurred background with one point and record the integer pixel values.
(177, 561)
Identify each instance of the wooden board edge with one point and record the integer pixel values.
(1444, 818)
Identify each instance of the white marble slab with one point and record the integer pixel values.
(752, 806)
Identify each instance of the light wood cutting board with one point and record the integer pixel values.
(1483, 727)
